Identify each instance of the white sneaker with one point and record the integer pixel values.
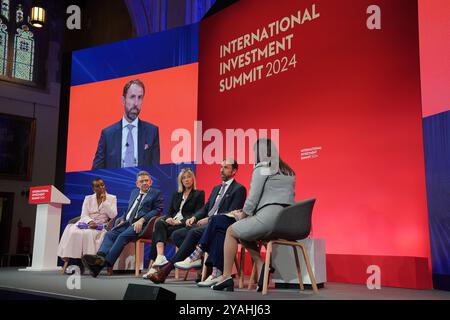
(149, 273)
(160, 261)
(187, 264)
(210, 281)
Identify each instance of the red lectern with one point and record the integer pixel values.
(49, 201)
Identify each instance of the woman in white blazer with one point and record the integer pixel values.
(86, 236)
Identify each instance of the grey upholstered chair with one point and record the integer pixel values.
(293, 224)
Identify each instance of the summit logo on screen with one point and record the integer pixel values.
(310, 153)
(254, 55)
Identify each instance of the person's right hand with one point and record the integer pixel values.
(235, 212)
(170, 221)
(190, 222)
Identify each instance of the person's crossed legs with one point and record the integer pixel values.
(188, 245)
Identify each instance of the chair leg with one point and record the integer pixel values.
(299, 270)
(267, 267)
(241, 268)
(186, 275)
(311, 274)
(252, 279)
(204, 268)
(137, 258)
(177, 272)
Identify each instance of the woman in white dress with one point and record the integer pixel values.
(86, 236)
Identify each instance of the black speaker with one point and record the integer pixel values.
(145, 292)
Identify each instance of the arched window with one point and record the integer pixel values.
(23, 54)
(5, 9)
(19, 14)
(19, 41)
(3, 48)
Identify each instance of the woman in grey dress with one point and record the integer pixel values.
(271, 189)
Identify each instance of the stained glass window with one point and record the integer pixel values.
(19, 14)
(23, 62)
(20, 48)
(5, 9)
(3, 48)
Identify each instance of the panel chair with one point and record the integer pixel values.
(146, 237)
(293, 224)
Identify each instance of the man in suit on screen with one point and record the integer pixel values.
(130, 142)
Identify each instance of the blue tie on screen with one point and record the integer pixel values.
(129, 153)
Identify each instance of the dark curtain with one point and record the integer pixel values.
(437, 162)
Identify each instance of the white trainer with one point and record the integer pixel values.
(187, 264)
(160, 261)
(210, 281)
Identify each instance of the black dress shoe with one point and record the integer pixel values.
(77, 262)
(259, 288)
(227, 285)
(93, 259)
(93, 263)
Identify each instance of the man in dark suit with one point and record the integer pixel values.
(144, 204)
(226, 197)
(130, 142)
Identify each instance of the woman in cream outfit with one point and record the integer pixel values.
(97, 210)
(272, 188)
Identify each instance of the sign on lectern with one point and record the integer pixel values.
(49, 202)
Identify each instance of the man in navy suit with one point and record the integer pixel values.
(227, 196)
(144, 204)
(130, 142)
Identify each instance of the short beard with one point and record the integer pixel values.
(132, 116)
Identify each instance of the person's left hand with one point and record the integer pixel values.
(138, 225)
(203, 221)
(239, 214)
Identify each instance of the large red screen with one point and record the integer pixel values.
(349, 114)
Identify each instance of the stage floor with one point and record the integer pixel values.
(54, 285)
